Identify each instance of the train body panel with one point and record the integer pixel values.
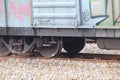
(60, 13)
(75, 18)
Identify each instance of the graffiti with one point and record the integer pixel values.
(86, 15)
(19, 10)
(111, 8)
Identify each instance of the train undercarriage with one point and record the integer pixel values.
(45, 46)
(41, 41)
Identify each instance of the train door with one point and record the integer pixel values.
(56, 13)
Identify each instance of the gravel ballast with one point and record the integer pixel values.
(59, 69)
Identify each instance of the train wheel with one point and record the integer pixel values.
(4, 51)
(52, 50)
(73, 45)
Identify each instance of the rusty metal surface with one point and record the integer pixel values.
(79, 57)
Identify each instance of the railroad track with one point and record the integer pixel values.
(63, 56)
(92, 56)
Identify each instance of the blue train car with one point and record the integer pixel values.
(46, 26)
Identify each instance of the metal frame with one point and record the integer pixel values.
(83, 32)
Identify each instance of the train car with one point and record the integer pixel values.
(47, 26)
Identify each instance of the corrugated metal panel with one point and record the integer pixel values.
(56, 13)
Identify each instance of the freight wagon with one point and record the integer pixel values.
(47, 26)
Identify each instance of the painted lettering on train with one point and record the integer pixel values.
(19, 10)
